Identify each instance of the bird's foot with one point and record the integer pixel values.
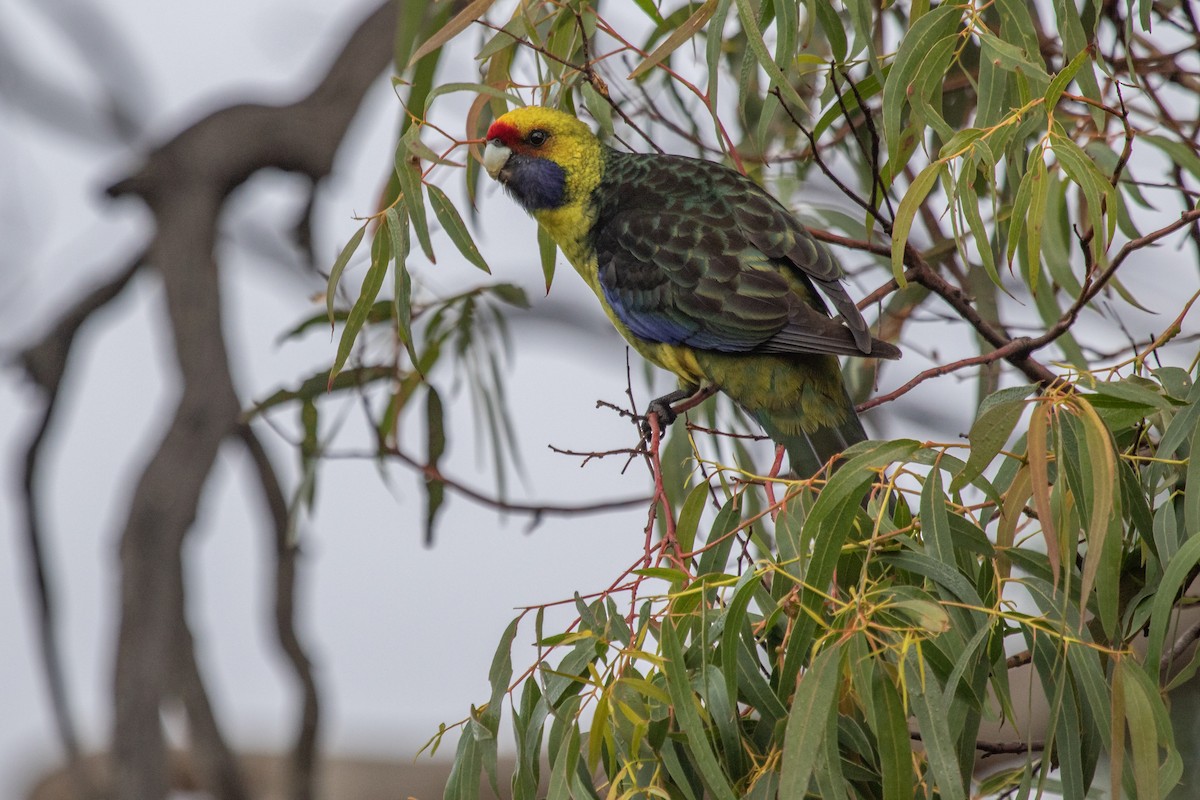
(666, 409)
(660, 408)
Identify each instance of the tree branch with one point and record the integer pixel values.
(304, 753)
(185, 183)
(45, 363)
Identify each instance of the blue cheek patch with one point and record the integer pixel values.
(536, 183)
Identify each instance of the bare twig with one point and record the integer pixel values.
(302, 778)
(820, 162)
(535, 510)
(921, 273)
(45, 363)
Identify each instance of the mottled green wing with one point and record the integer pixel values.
(679, 279)
(690, 252)
(771, 228)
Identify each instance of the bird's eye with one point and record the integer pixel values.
(538, 138)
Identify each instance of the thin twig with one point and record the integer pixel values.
(535, 510)
(302, 777)
(45, 363)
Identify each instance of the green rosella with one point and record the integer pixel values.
(701, 270)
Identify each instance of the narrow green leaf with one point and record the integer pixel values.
(946, 575)
(917, 43)
(528, 728)
(1064, 78)
(409, 176)
(815, 700)
(714, 558)
(1100, 193)
(414, 145)
(599, 108)
(832, 27)
(927, 88)
(1162, 612)
(1020, 208)
(1017, 26)
(317, 385)
(1012, 58)
(687, 715)
(895, 744)
(992, 102)
(548, 251)
(968, 201)
(1143, 741)
(411, 27)
(930, 708)
(463, 783)
(1075, 40)
(649, 8)
(683, 33)
(563, 768)
(339, 265)
(907, 212)
(935, 522)
(448, 215)
(989, 434)
(1191, 498)
(397, 226)
(1103, 511)
(500, 673)
(507, 38)
(381, 255)
(460, 22)
(754, 39)
(689, 517)
(1035, 218)
(435, 489)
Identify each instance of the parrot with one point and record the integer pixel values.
(702, 271)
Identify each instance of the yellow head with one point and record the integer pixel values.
(546, 159)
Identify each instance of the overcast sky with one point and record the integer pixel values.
(402, 635)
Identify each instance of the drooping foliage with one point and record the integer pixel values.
(882, 631)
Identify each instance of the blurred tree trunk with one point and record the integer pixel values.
(185, 182)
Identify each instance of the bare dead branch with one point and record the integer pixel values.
(302, 778)
(535, 510)
(45, 363)
(185, 183)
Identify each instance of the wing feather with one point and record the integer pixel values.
(692, 253)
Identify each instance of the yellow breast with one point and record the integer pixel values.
(678, 359)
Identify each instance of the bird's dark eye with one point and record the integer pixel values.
(538, 138)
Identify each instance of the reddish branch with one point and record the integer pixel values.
(1019, 349)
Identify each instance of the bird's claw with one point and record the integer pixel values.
(661, 410)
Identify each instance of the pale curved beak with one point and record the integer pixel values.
(495, 156)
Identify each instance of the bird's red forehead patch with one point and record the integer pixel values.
(505, 132)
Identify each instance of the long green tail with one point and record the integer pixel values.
(799, 400)
(809, 451)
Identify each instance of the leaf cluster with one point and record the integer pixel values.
(861, 634)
